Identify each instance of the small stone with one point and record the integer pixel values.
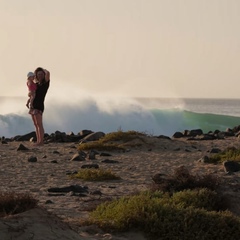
(21, 147)
(32, 159)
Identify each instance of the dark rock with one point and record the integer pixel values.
(84, 133)
(94, 136)
(159, 178)
(32, 159)
(3, 140)
(82, 154)
(105, 154)
(77, 157)
(215, 150)
(54, 161)
(164, 137)
(177, 135)
(21, 147)
(92, 155)
(71, 172)
(109, 161)
(231, 166)
(195, 132)
(25, 137)
(56, 152)
(204, 159)
(71, 188)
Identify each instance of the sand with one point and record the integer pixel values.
(58, 215)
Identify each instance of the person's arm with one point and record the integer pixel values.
(28, 102)
(47, 75)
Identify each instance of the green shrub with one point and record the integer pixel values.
(163, 217)
(121, 136)
(230, 153)
(95, 175)
(111, 141)
(13, 203)
(200, 198)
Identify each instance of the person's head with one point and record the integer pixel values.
(30, 76)
(40, 74)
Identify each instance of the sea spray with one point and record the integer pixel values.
(108, 114)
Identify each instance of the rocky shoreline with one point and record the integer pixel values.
(45, 171)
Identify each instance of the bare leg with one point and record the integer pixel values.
(37, 120)
(40, 128)
(36, 127)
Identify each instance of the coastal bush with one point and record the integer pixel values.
(183, 215)
(95, 175)
(111, 141)
(230, 153)
(121, 136)
(182, 179)
(13, 203)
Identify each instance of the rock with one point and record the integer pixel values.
(71, 188)
(21, 147)
(159, 178)
(177, 135)
(164, 137)
(25, 137)
(215, 150)
(32, 159)
(92, 155)
(109, 161)
(77, 157)
(94, 136)
(105, 154)
(204, 159)
(231, 166)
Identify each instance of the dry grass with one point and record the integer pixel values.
(13, 203)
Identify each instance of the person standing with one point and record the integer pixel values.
(42, 77)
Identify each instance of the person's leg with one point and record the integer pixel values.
(36, 126)
(39, 123)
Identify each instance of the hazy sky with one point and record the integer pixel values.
(143, 48)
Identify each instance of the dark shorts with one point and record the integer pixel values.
(35, 111)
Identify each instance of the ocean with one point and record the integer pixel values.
(154, 116)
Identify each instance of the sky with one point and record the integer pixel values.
(125, 48)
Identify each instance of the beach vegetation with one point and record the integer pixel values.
(184, 207)
(99, 174)
(182, 179)
(111, 141)
(230, 153)
(188, 214)
(13, 203)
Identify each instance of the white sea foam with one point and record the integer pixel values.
(76, 114)
(77, 111)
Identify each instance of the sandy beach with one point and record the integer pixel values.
(135, 167)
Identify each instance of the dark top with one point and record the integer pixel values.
(38, 102)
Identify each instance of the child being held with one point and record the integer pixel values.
(32, 86)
